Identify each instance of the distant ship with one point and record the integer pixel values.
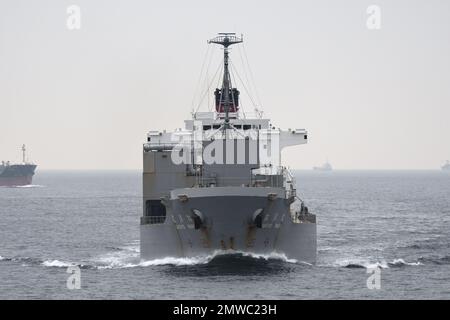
(12, 175)
(446, 166)
(325, 167)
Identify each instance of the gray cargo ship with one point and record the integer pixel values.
(218, 184)
(21, 174)
(324, 167)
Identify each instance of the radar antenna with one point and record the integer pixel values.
(227, 98)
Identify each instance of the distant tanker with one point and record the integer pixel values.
(17, 174)
(325, 167)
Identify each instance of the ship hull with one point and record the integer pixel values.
(228, 223)
(15, 181)
(17, 175)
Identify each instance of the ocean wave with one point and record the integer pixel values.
(29, 261)
(439, 260)
(272, 256)
(360, 263)
(130, 259)
(121, 257)
(64, 264)
(57, 264)
(123, 262)
(199, 260)
(30, 186)
(433, 242)
(174, 261)
(22, 260)
(401, 262)
(370, 264)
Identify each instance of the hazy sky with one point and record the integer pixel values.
(84, 99)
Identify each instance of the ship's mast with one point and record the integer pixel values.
(226, 40)
(23, 153)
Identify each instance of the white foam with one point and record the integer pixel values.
(403, 262)
(30, 186)
(206, 259)
(177, 261)
(366, 263)
(363, 263)
(122, 260)
(57, 263)
(129, 258)
(379, 264)
(1, 258)
(273, 255)
(126, 257)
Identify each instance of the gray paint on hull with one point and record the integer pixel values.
(17, 170)
(228, 224)
(16, 174)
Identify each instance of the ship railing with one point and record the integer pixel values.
(251, 115)
(303, 218)
(224, 181)
(153, 219)
(278, 177)
(270, 177)
(262, 180)
(207, 181)
(290, 193)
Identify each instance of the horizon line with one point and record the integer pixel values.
(293, 169)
